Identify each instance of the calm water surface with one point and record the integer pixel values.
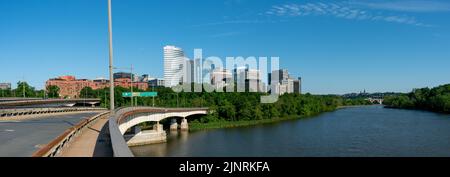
(358, 131)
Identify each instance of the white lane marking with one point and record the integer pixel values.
(9, 130)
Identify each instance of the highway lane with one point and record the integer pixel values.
(22, 138)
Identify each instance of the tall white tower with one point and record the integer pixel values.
(173, 65)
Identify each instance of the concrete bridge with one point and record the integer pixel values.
(12, 114)
(375, 100)
(33, 102)
(111, 134)
(126, 118)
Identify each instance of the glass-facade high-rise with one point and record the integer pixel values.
(174, 60)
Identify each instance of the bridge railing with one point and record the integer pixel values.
(119, 145)
(46, 101)
(56, 145)
(6, 113)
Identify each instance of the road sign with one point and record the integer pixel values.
(139, 94)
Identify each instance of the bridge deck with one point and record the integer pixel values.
(92, 142)
(22, 138)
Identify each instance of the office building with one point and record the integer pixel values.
(298, 85)
(189, 71)
(120, 75)
(173, 65)
(281, 82)
(219, 77)
(156, 82)
(248, 80)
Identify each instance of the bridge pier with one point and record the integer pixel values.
(174, 125)
(158, 127)
(184, 124)
(139, 138)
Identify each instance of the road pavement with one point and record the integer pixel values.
(22, 138)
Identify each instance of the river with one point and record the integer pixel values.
(368, 131)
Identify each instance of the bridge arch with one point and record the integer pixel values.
(133, 120)
(124, 118)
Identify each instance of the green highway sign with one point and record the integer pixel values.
(139, 94)
(148, 94)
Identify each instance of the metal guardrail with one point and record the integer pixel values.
(119, 145)
(56, 145)
(34, 111)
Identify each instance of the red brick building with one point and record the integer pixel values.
(70, 87)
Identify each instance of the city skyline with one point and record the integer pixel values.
(373, 45)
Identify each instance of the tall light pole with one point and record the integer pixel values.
(131, 86)
(111, 79)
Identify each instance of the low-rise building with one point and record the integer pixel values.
(70, 87)
(5, 86)
(156, 82)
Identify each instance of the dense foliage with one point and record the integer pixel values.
(436, 99)
(23, 90)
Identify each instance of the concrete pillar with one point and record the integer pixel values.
(174, 125)
(184, 125)
(158, 127)
(137, 129)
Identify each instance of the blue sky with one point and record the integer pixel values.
(336, 46)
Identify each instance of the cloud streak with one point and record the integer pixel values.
(226, 34)
(339, 10)
(231, 22)
(405, 5)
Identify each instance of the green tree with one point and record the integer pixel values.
(53, 91)
(258, 114)
(5, 93)
(24, 90)
(88, 92)
(245, 111)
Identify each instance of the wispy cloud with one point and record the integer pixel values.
(339, 10)
(233, 22)
(226, 34)
(405, 5)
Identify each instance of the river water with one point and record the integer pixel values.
(369, 131)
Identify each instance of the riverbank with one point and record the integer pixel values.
(197, 126)
(354, 106)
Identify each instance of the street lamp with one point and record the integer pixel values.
(111, 79)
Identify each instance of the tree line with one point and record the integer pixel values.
(234, 106)
(25, 90)
(436, 99)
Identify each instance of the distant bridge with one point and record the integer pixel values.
(375, 100)
(17, 99)
(6, 114)
(5, 103)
